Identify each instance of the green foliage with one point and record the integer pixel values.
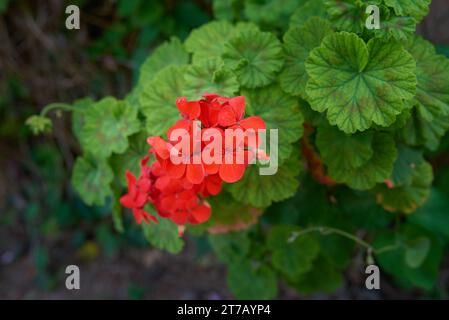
(163, 235)
(363, 106)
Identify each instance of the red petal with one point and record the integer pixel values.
(227, 116)
(140, 200)
(188, 109)
(130, 178)
(201, 213)
(195, 173)
(179, 217)
(253, 122)
(231, 173)
(238, 105)
(160, 146)
(175, 171)
(211, 168)
(213, 184)
(127, 201)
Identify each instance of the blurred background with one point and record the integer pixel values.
(44, 226)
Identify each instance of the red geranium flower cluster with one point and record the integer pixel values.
(177, 189)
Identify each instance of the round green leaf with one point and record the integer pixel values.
(208, 40)
(415, 9)
(341, 150)
(407, 198)
(378, 168)
(158, 99)
(292, 256)
(163, 235)
(432, 91)
(255, 57)
(358, 84)
(416, 251)
(279, 111)
(169, 53)
(260, 190)
(298, 42)
(92, 177)
(209, 76)
(248, 281)
(306, 11)
(107, 125)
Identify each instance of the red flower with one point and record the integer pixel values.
(176, 187)
(137, 196)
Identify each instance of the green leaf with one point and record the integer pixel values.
(107, 125)
(227, 9)
(341, 150)
(376, 170)
(292, 255)
(408, 159)
(423, 129)
(158, 99)
(228, 214)
(434, 214)
(163, 235)
(394, 262)
(306, 11)
(230, 247)
(322, 277)
(432, 91)
(277, 187)
(80, 106)
(359, 84)
(407, 198)
(416, 251)
(249, 281)
(209, 76)
(130, 159)
(255, 57)
(92, 177)
(208, 40)
(347, 15)
(298, 42)
(271, 13)
(279, 111)
(399, 28)
(168, 53)
(415, 9)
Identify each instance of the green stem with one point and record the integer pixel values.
(57, 105)
(329, 230)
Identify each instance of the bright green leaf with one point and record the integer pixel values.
(255, 57)
(298, 42)
(359, 84)
(432, 91)
(92, 177)
(158, 99)
(208, 40)
(107, 125)
(279, 111)
(415, 9)
(168, 53)
(277, 187)
(209, 76)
